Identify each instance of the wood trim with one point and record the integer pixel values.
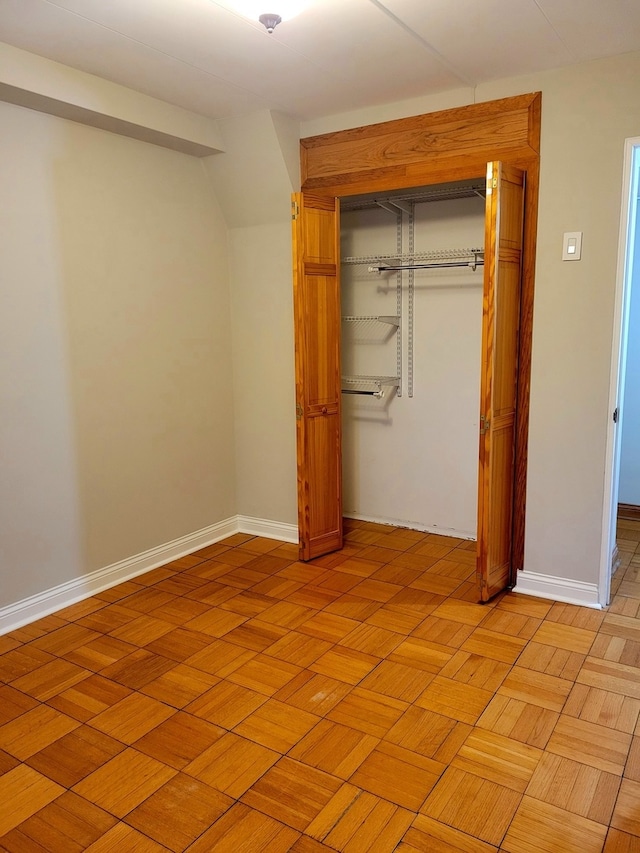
(629, 512)
(432, 148)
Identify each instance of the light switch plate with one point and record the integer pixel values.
(572, 245)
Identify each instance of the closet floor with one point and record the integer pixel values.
(238, 700)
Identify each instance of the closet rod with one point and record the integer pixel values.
(471, 264)
(378, 394)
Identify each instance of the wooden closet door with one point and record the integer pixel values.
(316, 289)
(499, 372)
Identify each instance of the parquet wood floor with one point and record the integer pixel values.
(238, 700)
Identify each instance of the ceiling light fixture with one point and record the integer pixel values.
(270, 21)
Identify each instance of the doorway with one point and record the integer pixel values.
(626, 348)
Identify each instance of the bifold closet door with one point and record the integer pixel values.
(316, 296)
(499, 373)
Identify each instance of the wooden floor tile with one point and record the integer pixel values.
(609, 675)
(292, 793)
(226, 704)
(264, 674)
(602, 707)
(27, 791)
(138, 668)
(372, 640)
(498, 759)
(354, 821)
(89, 698)
(462, 702)
(565, 637)
(399, 775)
(313, 692)
(276, 725)
(426, 834)
(444, 632)
(492, 644)
(245, 829)
(578, 617)
(527, 605)
(391, 618)
(368, 712)
(50, 679)
(215, 622)
(345, 664)
(353, 607)
(552, 661)
(180, 644)
(621, 842)
(232, 764)
(132, 717)
(473, 805)
(100, 653)
(143, 630)
(125, 839)
(514, 624)
(285, 615)
(33, 731)
(476, 670)
(575, 787)
(626, 815)
(537, 688)
(64, 639)
(69, 824)
(519, 720)
(588, 743)
(543, 828)
(179, 740)
(21, 661)
(422, 654)
(220, 658)
(246, 603)
(328, 626)
(73, 756)
(461, 611)
(178, 812)
(397, 680)
(334, 748)
(13, 703)
(256, 635)
(124, 782)
(299, 649)
(429, 734)
(180, 686)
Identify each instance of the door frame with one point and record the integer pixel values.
(626, 248)
(440, 147)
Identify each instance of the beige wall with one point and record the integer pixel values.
(115, 370)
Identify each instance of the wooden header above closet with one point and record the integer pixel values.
(441, 146)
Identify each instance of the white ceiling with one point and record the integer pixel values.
(335, 56)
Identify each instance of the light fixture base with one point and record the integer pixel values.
(270, 21)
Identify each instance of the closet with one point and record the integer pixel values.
(411, 304)
(378, 162)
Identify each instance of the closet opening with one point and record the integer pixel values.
(411, 270)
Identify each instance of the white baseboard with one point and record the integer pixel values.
(34, 607)
(558, 589)
(269, 529)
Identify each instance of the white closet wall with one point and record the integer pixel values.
(407, 460)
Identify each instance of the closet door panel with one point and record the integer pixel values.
(499, 373)
(318, 377)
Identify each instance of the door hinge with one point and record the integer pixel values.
(295, 210)
(299, 411)
(484, 424)
(616, 414)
